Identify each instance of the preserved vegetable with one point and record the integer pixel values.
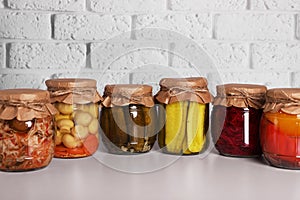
(26, 129)
(27, 145)
(185, 128)
(280, 130)
(77, 121)
(236, 119)
(128, 122)
(186, 104)
(231, 140)
(77, 130)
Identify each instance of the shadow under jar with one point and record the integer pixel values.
(236, 119)
(26, 129)
(280, 128)
(128, 119)
(184, 111)
(77, 121)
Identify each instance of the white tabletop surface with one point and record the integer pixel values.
(214, 177)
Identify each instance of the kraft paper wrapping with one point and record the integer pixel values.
(241, 95)
(184, 89)
(75, 95)
(25, 104)
(123, 95)
(286, 100)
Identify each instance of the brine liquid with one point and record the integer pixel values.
(128, 129)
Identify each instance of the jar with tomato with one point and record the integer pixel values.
(26, 129)
(236, 119)
(280, 128)
(77, 125)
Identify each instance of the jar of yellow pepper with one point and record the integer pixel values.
(77, 101)
(186, 105)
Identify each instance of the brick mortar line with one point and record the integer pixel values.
(296, 40)
(88, 12)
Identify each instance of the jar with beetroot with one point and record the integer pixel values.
(26, 129)
(236, 119)
(280, 128)
(184, 110)
(77, 121)
(128, 119)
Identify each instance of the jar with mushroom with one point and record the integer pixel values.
(77, 101)
(26, 129)
(128, 119)
(184, 111)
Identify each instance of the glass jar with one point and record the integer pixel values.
(280, 128)
(26, 129)
(77, 123)
(128, 119)
(185, 112)
(236, 119)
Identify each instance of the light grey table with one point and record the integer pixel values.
(189, 178)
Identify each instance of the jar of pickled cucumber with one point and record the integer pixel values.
(280, 128)
(185, 111)
(77, 125)
(128, 118)
(236, 119)
(26, 129)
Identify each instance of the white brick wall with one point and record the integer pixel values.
(90, 26)
(46, 56)
(55, 5)
(276, 56)
(10, 81)
(194, 26)
(125, 6)
(250, 41)
(265, 77)
(192, 5)
(2, 56)
(20, 25)
(275, 4)
(127, 55)
(255, 26)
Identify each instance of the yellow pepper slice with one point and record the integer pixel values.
(195, 127)
(175, 126)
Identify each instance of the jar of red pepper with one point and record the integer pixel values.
(26, 129)
(280, 128)
(236, 119)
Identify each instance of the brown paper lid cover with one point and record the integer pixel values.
(286, 100)
(73, 90)
(25, 104)
(125, 94)
(241, 95)
(183, 89)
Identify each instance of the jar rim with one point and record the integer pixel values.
(25, 94)
(183, 82)
(71, 83)
(237, 89)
